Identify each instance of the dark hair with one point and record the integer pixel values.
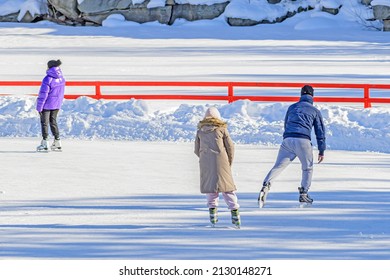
(53, 63)
(307, 90)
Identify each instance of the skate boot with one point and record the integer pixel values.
(56, 146)
(213, 216)
(304, 199)
(263, 194)
(236, 220)
(43, 147)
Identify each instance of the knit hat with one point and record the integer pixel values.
(307, 90)
(53, 63)
(212, 112)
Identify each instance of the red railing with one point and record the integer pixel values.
(365, 98)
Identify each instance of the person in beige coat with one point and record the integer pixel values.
(215, 150)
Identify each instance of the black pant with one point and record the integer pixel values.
(49, 117)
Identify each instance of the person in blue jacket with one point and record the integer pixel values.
(300, 118)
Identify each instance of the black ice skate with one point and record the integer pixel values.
(236, 220)
(304, 199)
(213, 216)
(263, 194)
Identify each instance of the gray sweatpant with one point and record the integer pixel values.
(289, 150)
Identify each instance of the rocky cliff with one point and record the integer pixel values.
(94, 12)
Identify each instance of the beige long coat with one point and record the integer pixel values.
(215, 150)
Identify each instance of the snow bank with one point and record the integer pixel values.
(249, 122)
(261, 9)
(333, 4)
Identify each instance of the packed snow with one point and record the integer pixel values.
(126, 185)
(348, 128)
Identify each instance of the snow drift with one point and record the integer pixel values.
(348, 128)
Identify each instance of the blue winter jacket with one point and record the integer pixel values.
(301, 117)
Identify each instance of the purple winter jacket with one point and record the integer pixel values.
(51, 93)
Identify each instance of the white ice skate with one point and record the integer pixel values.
(236, 220)
(213, 216)
(56, 146)
(43, 147)
(263, 195)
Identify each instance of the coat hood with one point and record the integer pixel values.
(211, 124)
(307, 98)
(54, 72)
(212, 112)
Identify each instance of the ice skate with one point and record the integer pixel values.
(43, 147)
(236, 220)
(304, 199)
(213, 216)
(263, 194)
(56, 146)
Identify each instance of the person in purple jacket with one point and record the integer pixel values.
(49, 102)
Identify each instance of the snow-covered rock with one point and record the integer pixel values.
(382, 12)
(235, 12)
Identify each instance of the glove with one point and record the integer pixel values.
(320, 158)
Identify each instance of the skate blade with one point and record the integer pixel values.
(260, 200)
(56, 150)
(305, 205)
(235, 227)
(42, 151)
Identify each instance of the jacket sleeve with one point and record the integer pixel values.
(229, 146)
(197, 144)
(286, 118)
(319, 129)
(43, 93)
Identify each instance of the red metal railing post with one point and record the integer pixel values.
(98, 92)
(367, 102)
(230, 93)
